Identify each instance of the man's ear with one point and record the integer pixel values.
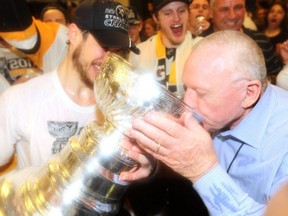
(73, 32)
(155, 18)
(253, 92)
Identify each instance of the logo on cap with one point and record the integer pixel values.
(116, 18)
(120, 10)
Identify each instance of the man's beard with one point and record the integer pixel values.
(80, 68)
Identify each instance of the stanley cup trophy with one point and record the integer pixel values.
(83, 179)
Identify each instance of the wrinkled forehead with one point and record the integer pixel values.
(208, 61)
(207, 74)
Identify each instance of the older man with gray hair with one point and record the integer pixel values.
(245, 161)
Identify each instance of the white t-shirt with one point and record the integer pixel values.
(37, 118)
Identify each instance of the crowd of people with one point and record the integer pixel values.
(228, 63)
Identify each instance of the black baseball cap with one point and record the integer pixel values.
(133, 16)
(158, 4)
(107, 21)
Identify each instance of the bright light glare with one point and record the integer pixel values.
(147, 88)
(72, 192)
(109, 143)
(55, 212)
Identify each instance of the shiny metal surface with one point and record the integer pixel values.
(125, 93)
(83, 179)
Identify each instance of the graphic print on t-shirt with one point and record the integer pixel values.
(61, 131)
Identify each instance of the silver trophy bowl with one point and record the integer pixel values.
(125, 93)
(83, 179)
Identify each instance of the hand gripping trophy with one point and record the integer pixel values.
(83, 179)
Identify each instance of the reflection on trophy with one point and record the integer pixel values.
(83, 179)
(200, 19)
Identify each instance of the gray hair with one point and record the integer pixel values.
(248, 59)
(212, 2)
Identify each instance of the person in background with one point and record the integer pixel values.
(236, 156)
(54, 12)
(229, 15)
(276, 23)
(200, 15)
(149, 28)
(248, 22)
(260, 16)
(135, 25)
(71, 6)
(26, 55)
(150, 9)
(282, 77)
(163, 55)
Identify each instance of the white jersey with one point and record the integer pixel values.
(37, 118)
(12, 66)
(51, 52)
(3, 83)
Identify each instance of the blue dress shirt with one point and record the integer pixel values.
(257, 153)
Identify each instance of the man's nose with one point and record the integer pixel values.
(176, 16)
(231, 14)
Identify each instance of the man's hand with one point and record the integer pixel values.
(181, 144)
(146, 163)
